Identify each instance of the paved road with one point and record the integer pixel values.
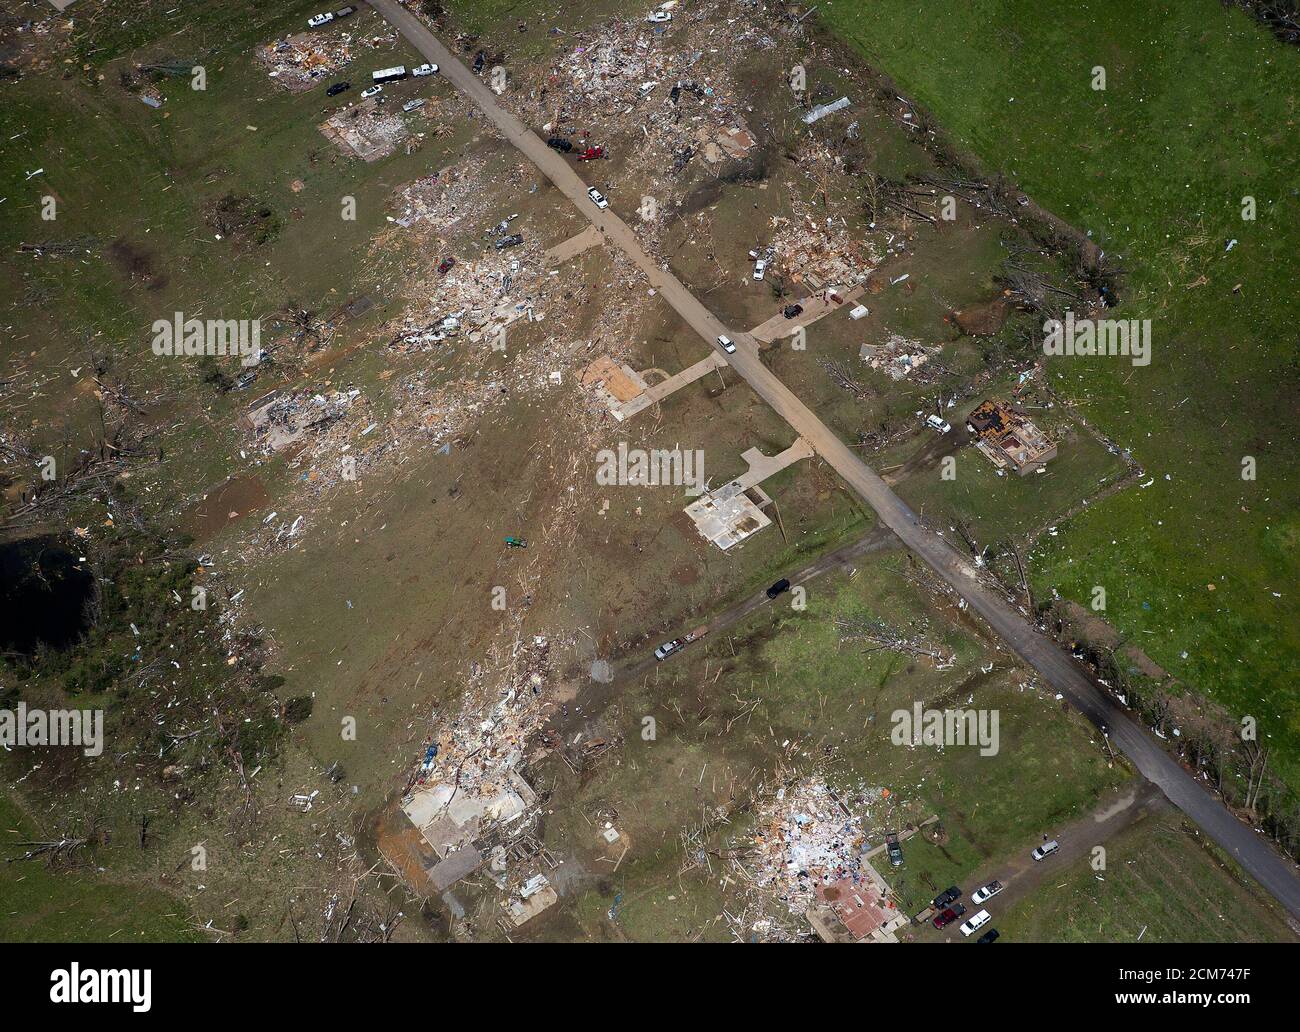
(1058, 669)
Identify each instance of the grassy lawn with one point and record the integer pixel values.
(44, 905)
(1162, 881)
(1155, 167)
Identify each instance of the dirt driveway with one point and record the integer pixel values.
(1022, 875)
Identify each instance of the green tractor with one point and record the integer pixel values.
(516, 542)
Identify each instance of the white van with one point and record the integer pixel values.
(975, 923)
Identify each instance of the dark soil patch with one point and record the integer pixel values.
(982, 320)
(220, 507)
(139, 264)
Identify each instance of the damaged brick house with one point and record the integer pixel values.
(1008, 438)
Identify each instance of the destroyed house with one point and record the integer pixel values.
(1008, 438)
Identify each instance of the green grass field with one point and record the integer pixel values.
(1155, 167)
(41, 904)
(1163, 882)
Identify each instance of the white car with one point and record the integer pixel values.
(420, 71)
(317, 20)
(1045, 850)
(934, 422)
(986, 893)
(975, 923)
(659, 17)
(413, 105)
(598, 198)
(760, 268)
(726, 343)
(371, 91)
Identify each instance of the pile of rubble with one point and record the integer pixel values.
(901, 358)
(320, 431)
(808, 835)
(368, 131)
(301, 61)
(681, 102)
(505, 703)
(442, 199)
(468, 796)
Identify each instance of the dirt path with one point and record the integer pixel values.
(1022, 875)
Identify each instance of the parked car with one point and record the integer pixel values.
(986, 892)
(371, 91)
(591, 154)
(990, 936)
(445, 265)
(317, 20)
(948, 916)
(480, 59)
(760, 268)
(726, 343)
(1046, 850)
(892, 847)
(973, 924)
(344, 12)
(412, 105)
(599, 198)
(948, 895)
(338, 88)
(560, 144)
(420, 71)
(776, 589)
(936, 423)
(658, 17)
(668, 648)
(513, 240)
(790, 311)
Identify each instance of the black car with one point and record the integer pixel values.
(948, 895)
(560, 144)
(790, 311)
(514, 240)
(778, 587)
(338, 88)
(990, 936)
(893, 848)
(480, 59)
